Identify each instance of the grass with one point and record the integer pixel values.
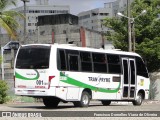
(20, 99)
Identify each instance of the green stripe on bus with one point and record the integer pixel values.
(83, 85)
(17, 75)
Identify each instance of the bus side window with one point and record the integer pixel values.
(73, 63)
(99, 62)
(62, 60)
(86, 64)
(114, 65)
(141, 68)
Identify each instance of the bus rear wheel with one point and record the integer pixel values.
(106, 102)
(85, 100)
(51, 102)
(138, 100)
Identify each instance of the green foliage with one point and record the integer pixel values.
(20, 99)
(119, 36)
(3, 91)
(1, 59)
(7, 17)
(5, 3)
(147, 33)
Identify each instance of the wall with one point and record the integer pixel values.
(155, 86)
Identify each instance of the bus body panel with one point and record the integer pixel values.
(31, 79)
(68, 93)
(34, 80)
(100, 84)
(143, 84)
(69, 85)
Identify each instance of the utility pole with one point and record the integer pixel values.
(129, 27)
(133, 35)
(2, 64)
(24, 35)
(24, 12)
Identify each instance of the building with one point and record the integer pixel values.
(64, 29)
(123, 4)
(33, 11)
(58, 28)
(93, 19)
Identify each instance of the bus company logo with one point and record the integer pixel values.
(99, 79)
(28, 76)
(6, 114)
(31, 74)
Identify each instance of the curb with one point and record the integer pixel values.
(151, 102)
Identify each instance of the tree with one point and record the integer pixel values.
(3, 91)
(147, 33)
(7, 17)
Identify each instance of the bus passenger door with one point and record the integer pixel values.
(128, 78)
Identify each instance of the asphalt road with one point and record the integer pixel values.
(96, 110)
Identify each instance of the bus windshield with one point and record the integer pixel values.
(33, 57)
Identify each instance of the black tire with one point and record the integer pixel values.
(106, 102)
(138, 100)
(85, 100)
(51, 102)
(76, 104)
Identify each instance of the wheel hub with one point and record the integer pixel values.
(85, 99)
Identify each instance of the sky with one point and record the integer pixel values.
(76, 6)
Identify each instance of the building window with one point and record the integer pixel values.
(37, 11)
(46, 11)
(42, 11)
(94, 14)
(29, 30)
(64, 32)
(29, 24)
(106, 14)
(31, 11)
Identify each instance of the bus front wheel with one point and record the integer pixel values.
(106, 102)
(85, 100)
(51, 102)
(138, 100)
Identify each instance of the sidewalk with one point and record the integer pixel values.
(144, 102)
(151, 102)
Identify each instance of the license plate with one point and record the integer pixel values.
(30, 91)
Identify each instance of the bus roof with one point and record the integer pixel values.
(74, 47)
(112, 51)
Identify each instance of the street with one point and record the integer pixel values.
(95, 111)
(94, 106)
